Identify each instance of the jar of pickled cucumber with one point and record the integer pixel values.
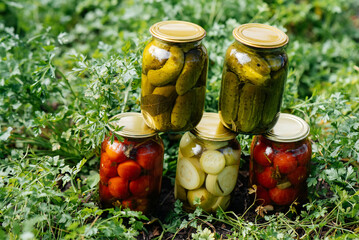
(207, 167)
(131, 167)
(253, 79)
(174, 75)
(280, 160)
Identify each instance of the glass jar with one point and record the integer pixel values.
(280, 161)
(207, 166)
(174, 75)
(131, 168)
(253, 79)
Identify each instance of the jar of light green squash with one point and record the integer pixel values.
(253, 79)
(207, 167)
(174, 75)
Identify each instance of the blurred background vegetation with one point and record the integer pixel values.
(67, 66)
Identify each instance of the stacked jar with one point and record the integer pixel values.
(207, 166)
(174, 75)
(131, 168)
(280, 160)
(253, 79)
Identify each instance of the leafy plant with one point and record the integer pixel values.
(67, 67)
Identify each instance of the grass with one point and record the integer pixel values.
(67, 66)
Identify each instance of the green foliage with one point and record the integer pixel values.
(67, 67)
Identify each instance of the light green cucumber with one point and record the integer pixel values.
(193, 65)
(170, 70)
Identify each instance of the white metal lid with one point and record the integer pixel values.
(211, 128)
(133, 125)
(289, 128)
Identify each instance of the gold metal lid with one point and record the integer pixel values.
(177, 31)
(260, 35)
(211, 128)
(133, 125)
(289, 128)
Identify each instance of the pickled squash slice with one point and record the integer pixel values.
(205, 198)
(213, 145)
(222, 202)
(212, 161)
(188, 147)
(223, 183)
(189, 173)
(232, 156)
(180, 192)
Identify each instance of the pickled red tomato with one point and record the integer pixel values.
(142, 204)
(283, 196)
(115, 150)
(303, 154)
(142, 186)
(149, 155)
(285, 162)
(298, 176)
(266, 178)
(108, 167)
(118, 187)
(129, 203)
(263, 197)
(103, 178)
(283, 147)
(136, 204)
(263, 154)
(105, 193)
(129, 170)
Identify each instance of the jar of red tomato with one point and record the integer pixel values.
(280, 160)
(131, 165)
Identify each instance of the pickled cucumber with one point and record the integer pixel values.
(229, 99)
(223, 183)
(170, 70)
(159, 101)
(276, 62)
(248, 66)
(154, 57)
(180, 192)
(191, 71)
(162, 122)
(212, 161)
(189, 173)
(273, 98)
(250, 109)
(167, 91)
(198, 104)
(188, 147)
(154, 104)
(232, 156)
(206, 199)
(181, 113)
(146, 87)
(202, 80)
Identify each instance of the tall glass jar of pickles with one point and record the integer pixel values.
(207, 166)
(280, 160)
(131, 168)
(174, 75)
(254, 75)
